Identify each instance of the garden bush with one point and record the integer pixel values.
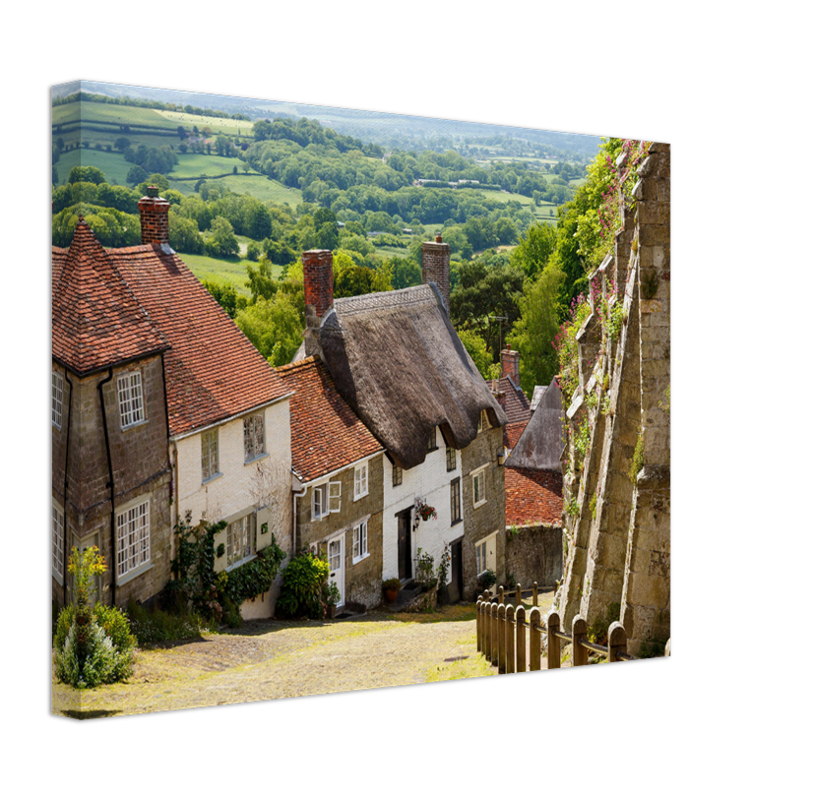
(301, 593)
(91, 646)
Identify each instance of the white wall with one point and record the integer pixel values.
(232, 494)
(431, 482)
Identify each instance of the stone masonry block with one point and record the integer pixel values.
(655, 235)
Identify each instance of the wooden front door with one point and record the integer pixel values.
(456, 572)
(405, 561)
(336, 565)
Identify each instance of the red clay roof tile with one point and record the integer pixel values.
(110, 305)
(326, 434)
(533, 496)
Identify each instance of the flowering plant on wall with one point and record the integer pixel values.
(425, 511)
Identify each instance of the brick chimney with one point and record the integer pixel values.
(436, 267)
(318, 277)
(510, 365)
(154, 211)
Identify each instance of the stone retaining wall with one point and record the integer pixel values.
(535, 553)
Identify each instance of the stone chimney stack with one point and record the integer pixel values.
(155, 224)
(436, 267)
(318, 276)
(510, 365)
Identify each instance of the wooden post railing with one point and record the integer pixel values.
(501, 636)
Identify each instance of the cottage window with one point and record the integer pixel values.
(334, 496)
(397, 475)
(479, 488)
(56, 399)
(326, 499)
(57, 541)
(131, 399)
(361, 481)
(240, 540)
(209, 454)
(431, 444)
(451, 459)
(132, 538)
(254, 439)
(319, 503)
(455, 501)
(483, 422)
(485, 554)
(360, 541)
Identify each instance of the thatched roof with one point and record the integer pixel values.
(398, 362)
(542, 442)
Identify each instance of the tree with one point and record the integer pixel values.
(222, 241)
(184, 235)
(534, 333)
(477, 348)
(273, 326)
(533, 251)
(260, 281)
(122, 143)
(86, 175)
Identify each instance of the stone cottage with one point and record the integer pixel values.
(160, 406)
(399, 364)
(337, 469)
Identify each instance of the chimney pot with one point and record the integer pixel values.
(510, 365)
(436, 267)
(154, 214)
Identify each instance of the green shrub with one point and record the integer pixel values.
(301, 592)
(486, 580)
(157, 625)
(88, 658)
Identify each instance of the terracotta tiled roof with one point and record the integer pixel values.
(512, 433)
(112, 305)
(96, 320)
(326, 434)
(514, 401)
(533, 496)
(213, 371)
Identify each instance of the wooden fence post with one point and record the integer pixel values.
(552, 641)
(617, 640)
(479, 608)
(517, 594)
(535, 593)
(534, 639)
(520, 640)
(509, 613)
(668, 648)
(500, 595)
(580, 655)
(502, 639)
(494, 634)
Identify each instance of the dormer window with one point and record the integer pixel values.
(360, 481)
(431, 444)
(483, 422)
(254, 438)
(131, 399)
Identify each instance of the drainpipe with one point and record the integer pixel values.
(65, 497)
(109, 485)
(294, 517)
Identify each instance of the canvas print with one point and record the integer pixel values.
(346, 400)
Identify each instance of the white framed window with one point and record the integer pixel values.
(56, 399)
(485, 554)
(131, 399)
(319, 503)
(334, 496)
(57, 541)
(360, 481)
(240, 540)
(360, 541)
(132, 538)
(451, 459)
(431, 442)
(209, 454)
(397, 476)
(254, 437)
(326, 499)
(479, 487)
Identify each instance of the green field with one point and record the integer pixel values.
(229, 127)
(112, 164)
(256, 185)
(196, 165)
(109, 113)
(220, 270)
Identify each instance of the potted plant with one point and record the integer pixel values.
(332, 597)
(391, 587)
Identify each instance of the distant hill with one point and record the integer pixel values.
(388, 130)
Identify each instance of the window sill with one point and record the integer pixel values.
(432, 449)
(456, 522)
(212, 478)
(480, 503)
(360, 558)
(121, 580)
(133, 425)
(248, 461)
(359, 497)
(240, 563)
(56, 576)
